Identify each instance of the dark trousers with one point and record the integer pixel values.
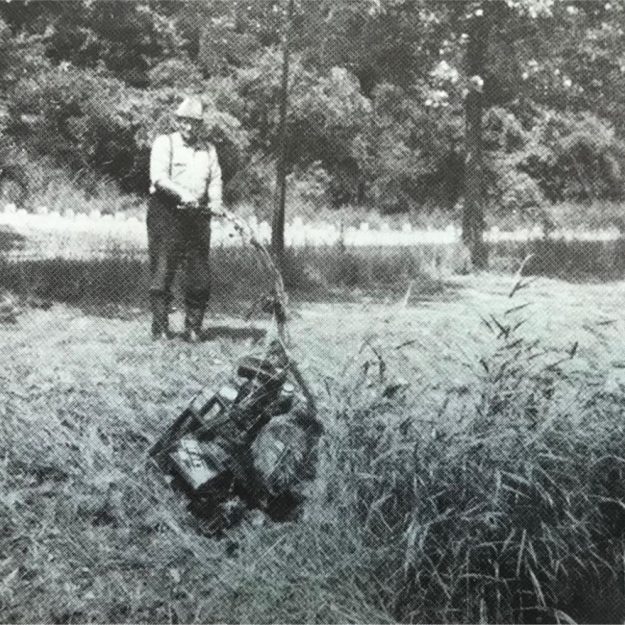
(178, 237)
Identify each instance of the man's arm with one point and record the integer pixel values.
(159, 171)
(214, 190)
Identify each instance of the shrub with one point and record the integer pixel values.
(574, 157)
(515, 197)
(178, 73)
(412, 152)
(310, 187)
(503, 131)
(327, 116)
(253, 182)
(83, 120)
(88, 121)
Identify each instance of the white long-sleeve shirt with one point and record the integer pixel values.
(196, 171)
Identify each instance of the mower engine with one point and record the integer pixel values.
(208, 449)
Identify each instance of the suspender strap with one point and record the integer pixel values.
(171, 154)
(208, 177)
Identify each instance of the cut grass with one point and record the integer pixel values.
(88, 534)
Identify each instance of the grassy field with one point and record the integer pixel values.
(489, 489)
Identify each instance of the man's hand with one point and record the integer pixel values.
(187, 201)
(217, 211)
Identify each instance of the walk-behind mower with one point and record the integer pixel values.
(227, 455)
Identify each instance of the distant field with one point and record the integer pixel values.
(101, 262)
(82, 397)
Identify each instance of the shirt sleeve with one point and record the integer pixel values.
(159, 161)
(215, 183)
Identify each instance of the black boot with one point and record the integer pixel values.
(194, 315)
(160, 317)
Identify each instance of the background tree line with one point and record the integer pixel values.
(378, 94)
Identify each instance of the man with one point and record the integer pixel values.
(186, 186)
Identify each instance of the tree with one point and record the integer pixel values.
(127, 38)
(395, 104)
(475, 21)
(277, 226)
(20, 55)
(473, 213)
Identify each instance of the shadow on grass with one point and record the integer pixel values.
(234, 334)
(10, 240)
(573, 261)
(210, 333)
(118, 285)
(414, 292)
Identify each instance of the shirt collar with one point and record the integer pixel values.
(178, 140)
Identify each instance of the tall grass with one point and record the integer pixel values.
(59, 190)
(504, 506)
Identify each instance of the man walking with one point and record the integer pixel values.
(185, 187)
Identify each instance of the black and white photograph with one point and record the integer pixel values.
(312, 311)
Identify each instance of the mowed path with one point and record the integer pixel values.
(437, 337)
(110, 364)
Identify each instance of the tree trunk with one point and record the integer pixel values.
(277, 226)
(473, 214)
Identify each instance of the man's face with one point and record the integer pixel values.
(189, 129)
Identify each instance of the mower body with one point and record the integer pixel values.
(207, 450)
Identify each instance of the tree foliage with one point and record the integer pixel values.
(377, 93)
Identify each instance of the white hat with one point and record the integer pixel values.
(191, 108)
